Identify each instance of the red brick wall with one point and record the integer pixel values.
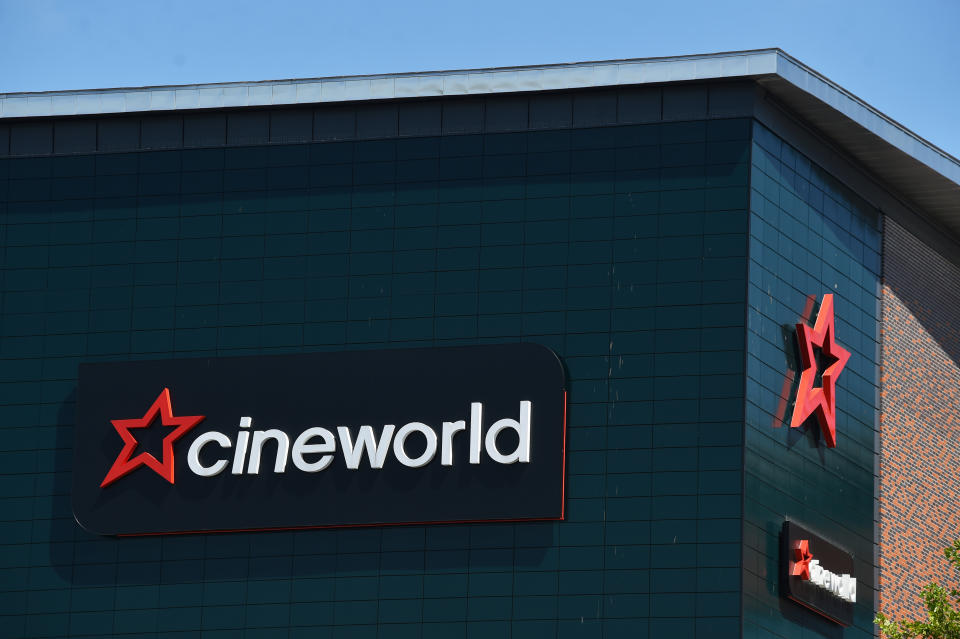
(920, 420)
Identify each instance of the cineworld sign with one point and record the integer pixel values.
(817, 574)
(320, 439)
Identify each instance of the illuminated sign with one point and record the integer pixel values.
(817, 574)
(818, 397)
(320, 439)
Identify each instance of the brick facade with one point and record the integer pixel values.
(920, 420)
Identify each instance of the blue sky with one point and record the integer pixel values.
(901, 57)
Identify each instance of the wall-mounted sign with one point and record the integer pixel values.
(817, 574)
(817, 393)
(320, 439)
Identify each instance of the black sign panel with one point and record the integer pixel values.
(320, 439)
(817, 574)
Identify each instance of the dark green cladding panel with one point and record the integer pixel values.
(622, 248)
(809, 235)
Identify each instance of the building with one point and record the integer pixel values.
(663, 225)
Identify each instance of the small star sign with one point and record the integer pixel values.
(801, 558)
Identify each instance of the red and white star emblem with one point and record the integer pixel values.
(125, 464)
(801, 559)
(820, 401)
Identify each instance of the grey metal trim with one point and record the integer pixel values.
(925, 174)
(739, 64)
(844, 102)
(393, 86)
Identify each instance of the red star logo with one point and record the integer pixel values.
(124, 464)
(819, 400)
(801, 559)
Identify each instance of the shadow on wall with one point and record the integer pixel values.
(919, 494)
(81, 558)
(322, 213)
(927, 283)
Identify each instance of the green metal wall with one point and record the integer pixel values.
(809, 235)
(623, 248)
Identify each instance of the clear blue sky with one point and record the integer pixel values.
(901, 57)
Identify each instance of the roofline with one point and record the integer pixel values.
(854, 98)
(759, 64)
(374, 76)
